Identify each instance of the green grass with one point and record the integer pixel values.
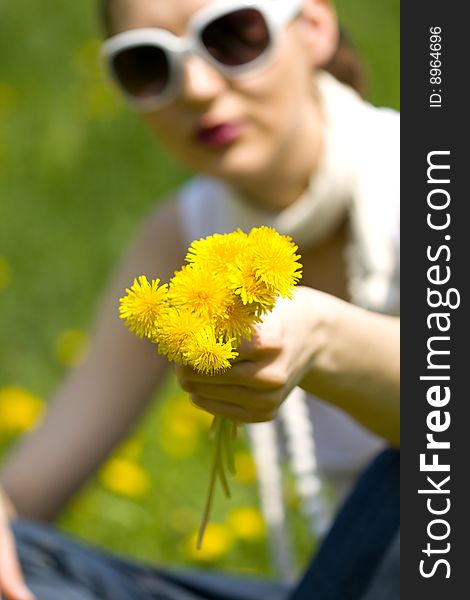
(77, 173)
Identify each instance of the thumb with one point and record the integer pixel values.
(266, 338)
(12, 585)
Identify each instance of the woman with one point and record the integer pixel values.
(235, 90)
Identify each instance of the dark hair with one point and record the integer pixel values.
(345, 65)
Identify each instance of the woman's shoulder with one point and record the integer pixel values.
(159, 240)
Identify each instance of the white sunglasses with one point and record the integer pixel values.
(235, 36)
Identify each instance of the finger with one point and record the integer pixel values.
(12, 584)
(266, 340)
(232, 411)
(239, 396)
(267, 374)
(186, 374)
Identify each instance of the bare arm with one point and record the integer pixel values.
(99, 401)
(356, 366)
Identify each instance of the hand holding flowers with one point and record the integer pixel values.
(267, 367)
(202, 317)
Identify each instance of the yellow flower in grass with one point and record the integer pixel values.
(181, 406)
(217, 251)
(178, 439)
(130, 449)
(247, 523)
(181, 425)
(176, 331)
(274, 259)
(245, 468)
(218, 540)
(199, 290)
(208, 355)
(143, 305)
(125, 477)
(19, 409)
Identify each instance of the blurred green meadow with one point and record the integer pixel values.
(77, 174)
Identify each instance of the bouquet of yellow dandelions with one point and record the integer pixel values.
(209, 306)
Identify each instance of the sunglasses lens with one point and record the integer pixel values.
(142, 71)
(237, 38)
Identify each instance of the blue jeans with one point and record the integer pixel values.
(58, 568)
(357, 561)
(360, 557)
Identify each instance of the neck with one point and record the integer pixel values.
(272, 193)
(290, 171)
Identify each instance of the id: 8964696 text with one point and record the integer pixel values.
(435, 67)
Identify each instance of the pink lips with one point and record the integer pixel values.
(219, 135)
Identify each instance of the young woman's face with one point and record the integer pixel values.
(231, 128)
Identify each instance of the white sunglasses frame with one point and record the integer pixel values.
(276, 14)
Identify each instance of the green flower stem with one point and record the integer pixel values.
(227, 446)
(234, 430)
(216, 427)
(221, 473)
(222, 431)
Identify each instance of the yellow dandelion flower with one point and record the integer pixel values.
(245, 468)
(143, 305)
(208, 355)
(181, 426)
(19, 409)
(247, 523)
(186, 410)
(274, 259)
(245, 283)
(217, 251)
(182, 429)
(177, 327)
(218, 540)
(125, 477)
(237, 323)
(131, 449)
(179, 439)
(199, 290)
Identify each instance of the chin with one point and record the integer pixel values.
(236, 165)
